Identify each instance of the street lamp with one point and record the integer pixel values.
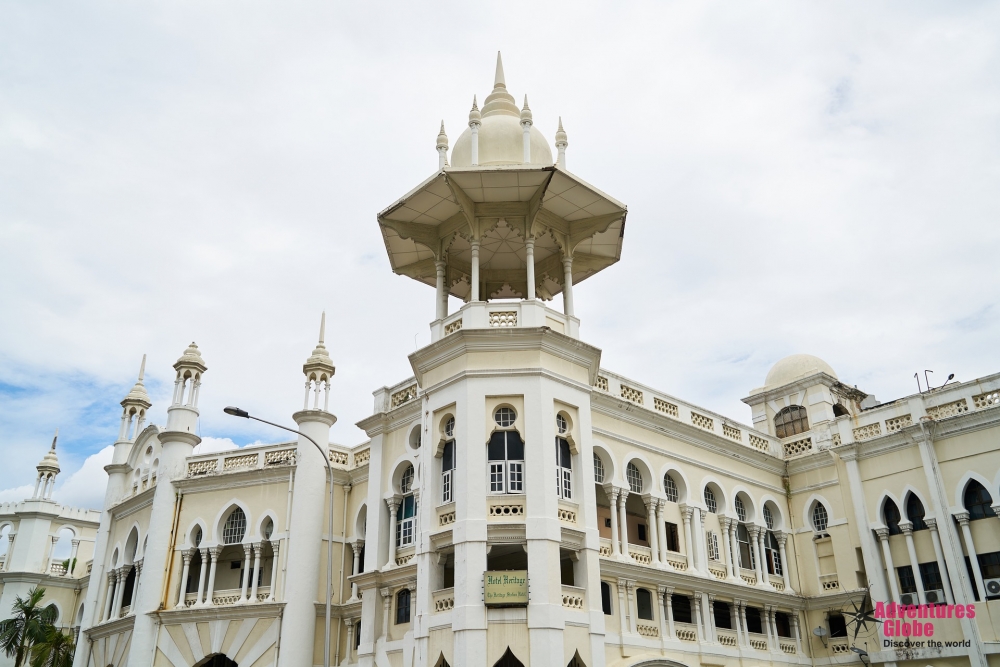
(862, 655)
(237, 412)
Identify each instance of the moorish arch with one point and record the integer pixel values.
(508, 659)
(217, 660)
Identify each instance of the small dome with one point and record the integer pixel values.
(501, 141)
(795, 367)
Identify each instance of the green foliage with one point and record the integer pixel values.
(31, 628)
(69, 566)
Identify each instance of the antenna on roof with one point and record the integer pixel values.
(917, 376)
(927, 383)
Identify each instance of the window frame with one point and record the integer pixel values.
(791, 420)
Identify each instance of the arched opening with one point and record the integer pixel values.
(839, 410)
(508, 660)
(5, 541)
(406, 518)
(820, 518)
(915, 512)
(129, 588)
(682, 608)
(978, 501)
(606, 598)
(415, 438)
(448, 461)
(891, 517)
(791, 421)
(441, 661)
(644, 604)
(217, 660)
(62, 552)
(564, 460)
(576, 661)
(231, 567)
(505, 451)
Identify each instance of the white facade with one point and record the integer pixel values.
(653, 532)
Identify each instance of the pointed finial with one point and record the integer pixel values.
(498, 80)
(561, 144)
(442, 138)
(54, 438)
(142, 369)
(322, 318)
(319, 362)
(525, 112)
(475, 117)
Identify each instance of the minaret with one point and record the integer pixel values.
(561, 144)
(177, 443)
(308, 517)
(135, 406)
(526, 124)
(442, 148)
(475, 121)
(47, 468)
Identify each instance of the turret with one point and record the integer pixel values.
(47, 468)
(319, 368)
(134, 407)
(561, 144)
(182, 415)
(442, 148)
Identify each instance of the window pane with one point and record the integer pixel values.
(644, 604)
(515, 478)
(515, 446)
(497, 447)
(448, 459)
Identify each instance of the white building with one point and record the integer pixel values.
(649, 531)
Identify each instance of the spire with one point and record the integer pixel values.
(54, 438)
(561, 144)
(47, 469)
(474, 115)
(319, 369)
(442, 148)
(138, 396)
(498, 80)
(526, 111)
(500, 101)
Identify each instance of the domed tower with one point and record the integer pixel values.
(47, 469)
(135, 406)
(501, 221)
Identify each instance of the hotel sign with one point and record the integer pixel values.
(507, 588)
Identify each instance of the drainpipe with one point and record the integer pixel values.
(343, 554)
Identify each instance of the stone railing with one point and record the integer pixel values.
(647, 630)
(748, 576)
(443, 600)
(777, 583)
(787, 648)
(829, 582)
(229, 597)
(90, 566)
(124, 611)
(404, 395)
(446, 514)
(404, 558)
(686, 632)
(797, 447)
(726, 637)
(573, 597)
(677, 561)
(605, 548)
(567, 511)
(625, 389)
(640, 554)
(506, 507)
(57, 569)
(506, 315)
(717, 571)
(256, 458)
(338, 457)
(839, 647)
(757, 641)
(361, 458)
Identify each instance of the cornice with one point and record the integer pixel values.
(814, 461)
(135, 503)
(109, 628)
(179, 436)
(391, 577)
(466, 341)
(240, 479)
(383, 422)
(477, 374)
(642, 416)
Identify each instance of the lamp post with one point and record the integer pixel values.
(237, 412)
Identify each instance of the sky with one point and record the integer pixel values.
(801, 178)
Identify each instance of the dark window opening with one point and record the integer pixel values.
(915, 512)
(839, 410)
(907, 583)
(606, 598)
(782, 624)
(890, 513)
(129, 585)
(403, 606)
(723, 617)
(682, 608)
(754, 621)
(642, 532)
(978, 501)
(566, 571)
(838, 626)
(673, 543)
(644, 604)
(508, 660)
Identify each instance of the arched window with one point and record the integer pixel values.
(791, 421)
(890, 514)
(670, 488)
(634, 478)
(403, 606)
(268, 529)
(978, 501)
(407, 518)
(644, 604)
(606, 598)
(839, 410)
(915, 512)
(820, 518)
(449, 428)
(598, 469)
(506, 454)
(710, 500)
(772, 554)
(741, 510)
(235, 528)
(768, 518)
(748, 557)
(564, 469)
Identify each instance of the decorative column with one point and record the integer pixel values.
(743, 623)
(623, 523)
(755, 545)
(907, 528)
(772, 628)
(119, 592)
(475, 120)
(247, 550)
(135, 585)
(186, 555)
(970, 549)
(737, 625)
(386, 603)
(256, 569)
(651, 532)
(72, 556)
(632, 609)
(762, 551)
(568, 286)
(666, 594)
(785, 577)
(561, 144)
(734, 543)
(350, 638)
(725, 522)
(213, 554)
(10, 549)
(271, 597)
(110, 598)
(696, 598)
(442, 294)
(711, 618)
(883, 538)
(202, 571)
(356, 547)
(661, 528)
(623, 610)
(939, 556)
(612, 492)
(529, 257)
(393, 504)
(475, 271)
(700, 543)
(688, 513)
(798, 633)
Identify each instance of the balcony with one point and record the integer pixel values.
(726, 637)
(507, 507)
(505, 315)
(574, 598)
(443, 600)
(757, 641)
(228, 598)
(686, 632)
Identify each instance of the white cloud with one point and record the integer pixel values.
(210, 445)
(16, 494)
(86, 486)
